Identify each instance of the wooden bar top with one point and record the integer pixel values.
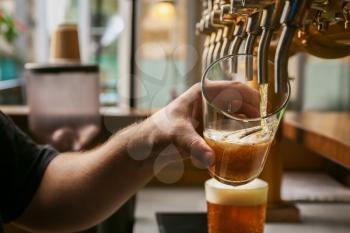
(16, 110)
(326, 133)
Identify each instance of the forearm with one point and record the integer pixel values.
(81, 189)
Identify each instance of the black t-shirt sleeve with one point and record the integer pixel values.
(22, 165)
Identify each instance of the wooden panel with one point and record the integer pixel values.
(13, 229)
(326, 133)
(298, 158)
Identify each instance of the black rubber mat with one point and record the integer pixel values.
(182, 222)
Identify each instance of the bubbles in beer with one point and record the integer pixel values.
(238, 159)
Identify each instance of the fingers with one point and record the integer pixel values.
(234, 98)
(224, 90)
(250, 95)
(248, 111)
(192, 144)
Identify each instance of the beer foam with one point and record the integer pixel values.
(251, 194)
(235, 137)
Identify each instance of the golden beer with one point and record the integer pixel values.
(239, 209)
(237, 161)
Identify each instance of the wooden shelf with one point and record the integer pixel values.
(326, 133)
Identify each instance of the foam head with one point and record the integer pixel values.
(251, 194)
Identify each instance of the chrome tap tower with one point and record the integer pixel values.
(274, 30)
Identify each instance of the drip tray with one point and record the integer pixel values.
(182, 222)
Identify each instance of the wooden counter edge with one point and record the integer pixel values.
(327, 146)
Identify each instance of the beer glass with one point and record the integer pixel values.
(236, 209)
(241, 116)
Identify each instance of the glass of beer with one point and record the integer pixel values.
(236, 209)
(241, 114)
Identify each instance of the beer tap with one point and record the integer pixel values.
(218, 44)
(205, 52)
(225, 9)
(204, 27)
(227, 38)
(239, 34)
(292, 18)
(270, 23)
(210, 49)
(216, 39)
(245, 7)
(216, 20)
(253, 31)
(264, 44)
(227, 34)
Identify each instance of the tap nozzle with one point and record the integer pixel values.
(205, 53)
(218, 44)
(227, 37)
(264, 44)
(211, 49)
(292, 18)
(253, 30)
(239, 34)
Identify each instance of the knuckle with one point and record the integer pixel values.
(194, 142)
(197, 86)
(178, 130)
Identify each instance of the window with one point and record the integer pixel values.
(159, 70)
(100, 27)
(161, 52)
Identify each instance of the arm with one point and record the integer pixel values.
(79, 190)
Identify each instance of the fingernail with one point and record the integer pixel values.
(209, 158)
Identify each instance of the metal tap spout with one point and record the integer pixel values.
(292, 18)
(227, 37)
(210, 54)
(218, 44)
(282, 56)
(239, 34)
(205, 53)
(264, 44)
(253, 30)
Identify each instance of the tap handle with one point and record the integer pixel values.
(253, 23)
(266, 21)
(239, 29)
(294, 12)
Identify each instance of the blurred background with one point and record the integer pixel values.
(148, 53)
(149, 44)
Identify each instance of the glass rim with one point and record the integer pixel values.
(204, 93)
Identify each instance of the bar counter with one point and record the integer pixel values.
(315, 218)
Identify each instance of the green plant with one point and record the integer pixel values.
(8, 27)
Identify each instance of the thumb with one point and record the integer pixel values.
(193, 144)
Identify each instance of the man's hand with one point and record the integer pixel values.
(178, 127)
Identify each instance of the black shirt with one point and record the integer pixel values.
(22, 165)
